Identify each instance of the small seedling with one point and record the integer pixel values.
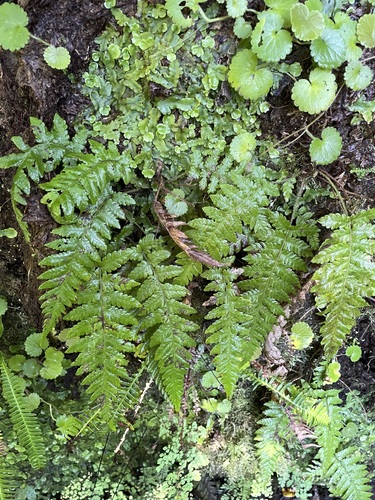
(14, 35)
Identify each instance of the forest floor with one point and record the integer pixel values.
(30, 88)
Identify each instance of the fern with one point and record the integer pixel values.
(347, 477)
(271, 273)
(32, 163)
(231, 330)
(79, 248)
(164, 318)
(346, 275)
(271, 453)
(24, 421)
(103, 313)
(82, 184)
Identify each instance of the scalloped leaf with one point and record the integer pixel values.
(269, 41)
(357, 76)
(236, 8)
(175, 203)
(13, 21)
(306, 24)
(327, 149)
(354, 352)
(317, 93)
(35, 344)
(241, 28)
(249, 81)
(283, 8)
(57, 57)
(329, 51)
(242, 146)
(52, 365)
(333, 371)
(302, 335)
(366, 30)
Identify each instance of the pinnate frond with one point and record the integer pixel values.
(346, 276)
(23, 420)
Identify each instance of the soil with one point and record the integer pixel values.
(28, 87)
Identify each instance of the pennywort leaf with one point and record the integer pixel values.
(357, 76)
(241, 28)
(269, 41)
(329, 51)
(175, 203)
(242, 146)
(326, 150)
(13, 21)
(283, 8)
(366, 30)
(57, 57)
(236, 8)
(250, 81)
(302, 335)
(307, 25)
(317, 93)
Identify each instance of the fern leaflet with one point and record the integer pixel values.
(347, 275)
(164, 317)
(24, 421)
(79, 247)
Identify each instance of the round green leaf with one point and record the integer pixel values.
(15, 362)
(8, 233)
(35, 344)
(329, 51)
(246, 78)
(34, 400)
(210, 380)
(241, 28)
(317, 94)
(307, 25)
(242, 146)
(366, 30)
(175, 203)
(268, 40)
(283, 8)
(52, 365)
(357, 76)
(57, 57)
(31, 368)
(333, 371)
(13, 33)
(3, 306)
(302, 335)
(354, 352)
(326, 150)
(236, 8)
(114, 51)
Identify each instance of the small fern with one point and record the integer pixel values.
(23, 420)
(231, 330)
(79, 248)
(346, 275)
(164, 319)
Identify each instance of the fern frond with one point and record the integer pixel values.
(270, 451)
(104, 312)
(79, 248)
(24, 421)
(243, 202)
(82, 185)
(271, 272)
(347, 275)
(231, 331)
(33, 162)
(347, 477)
(164, 318)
